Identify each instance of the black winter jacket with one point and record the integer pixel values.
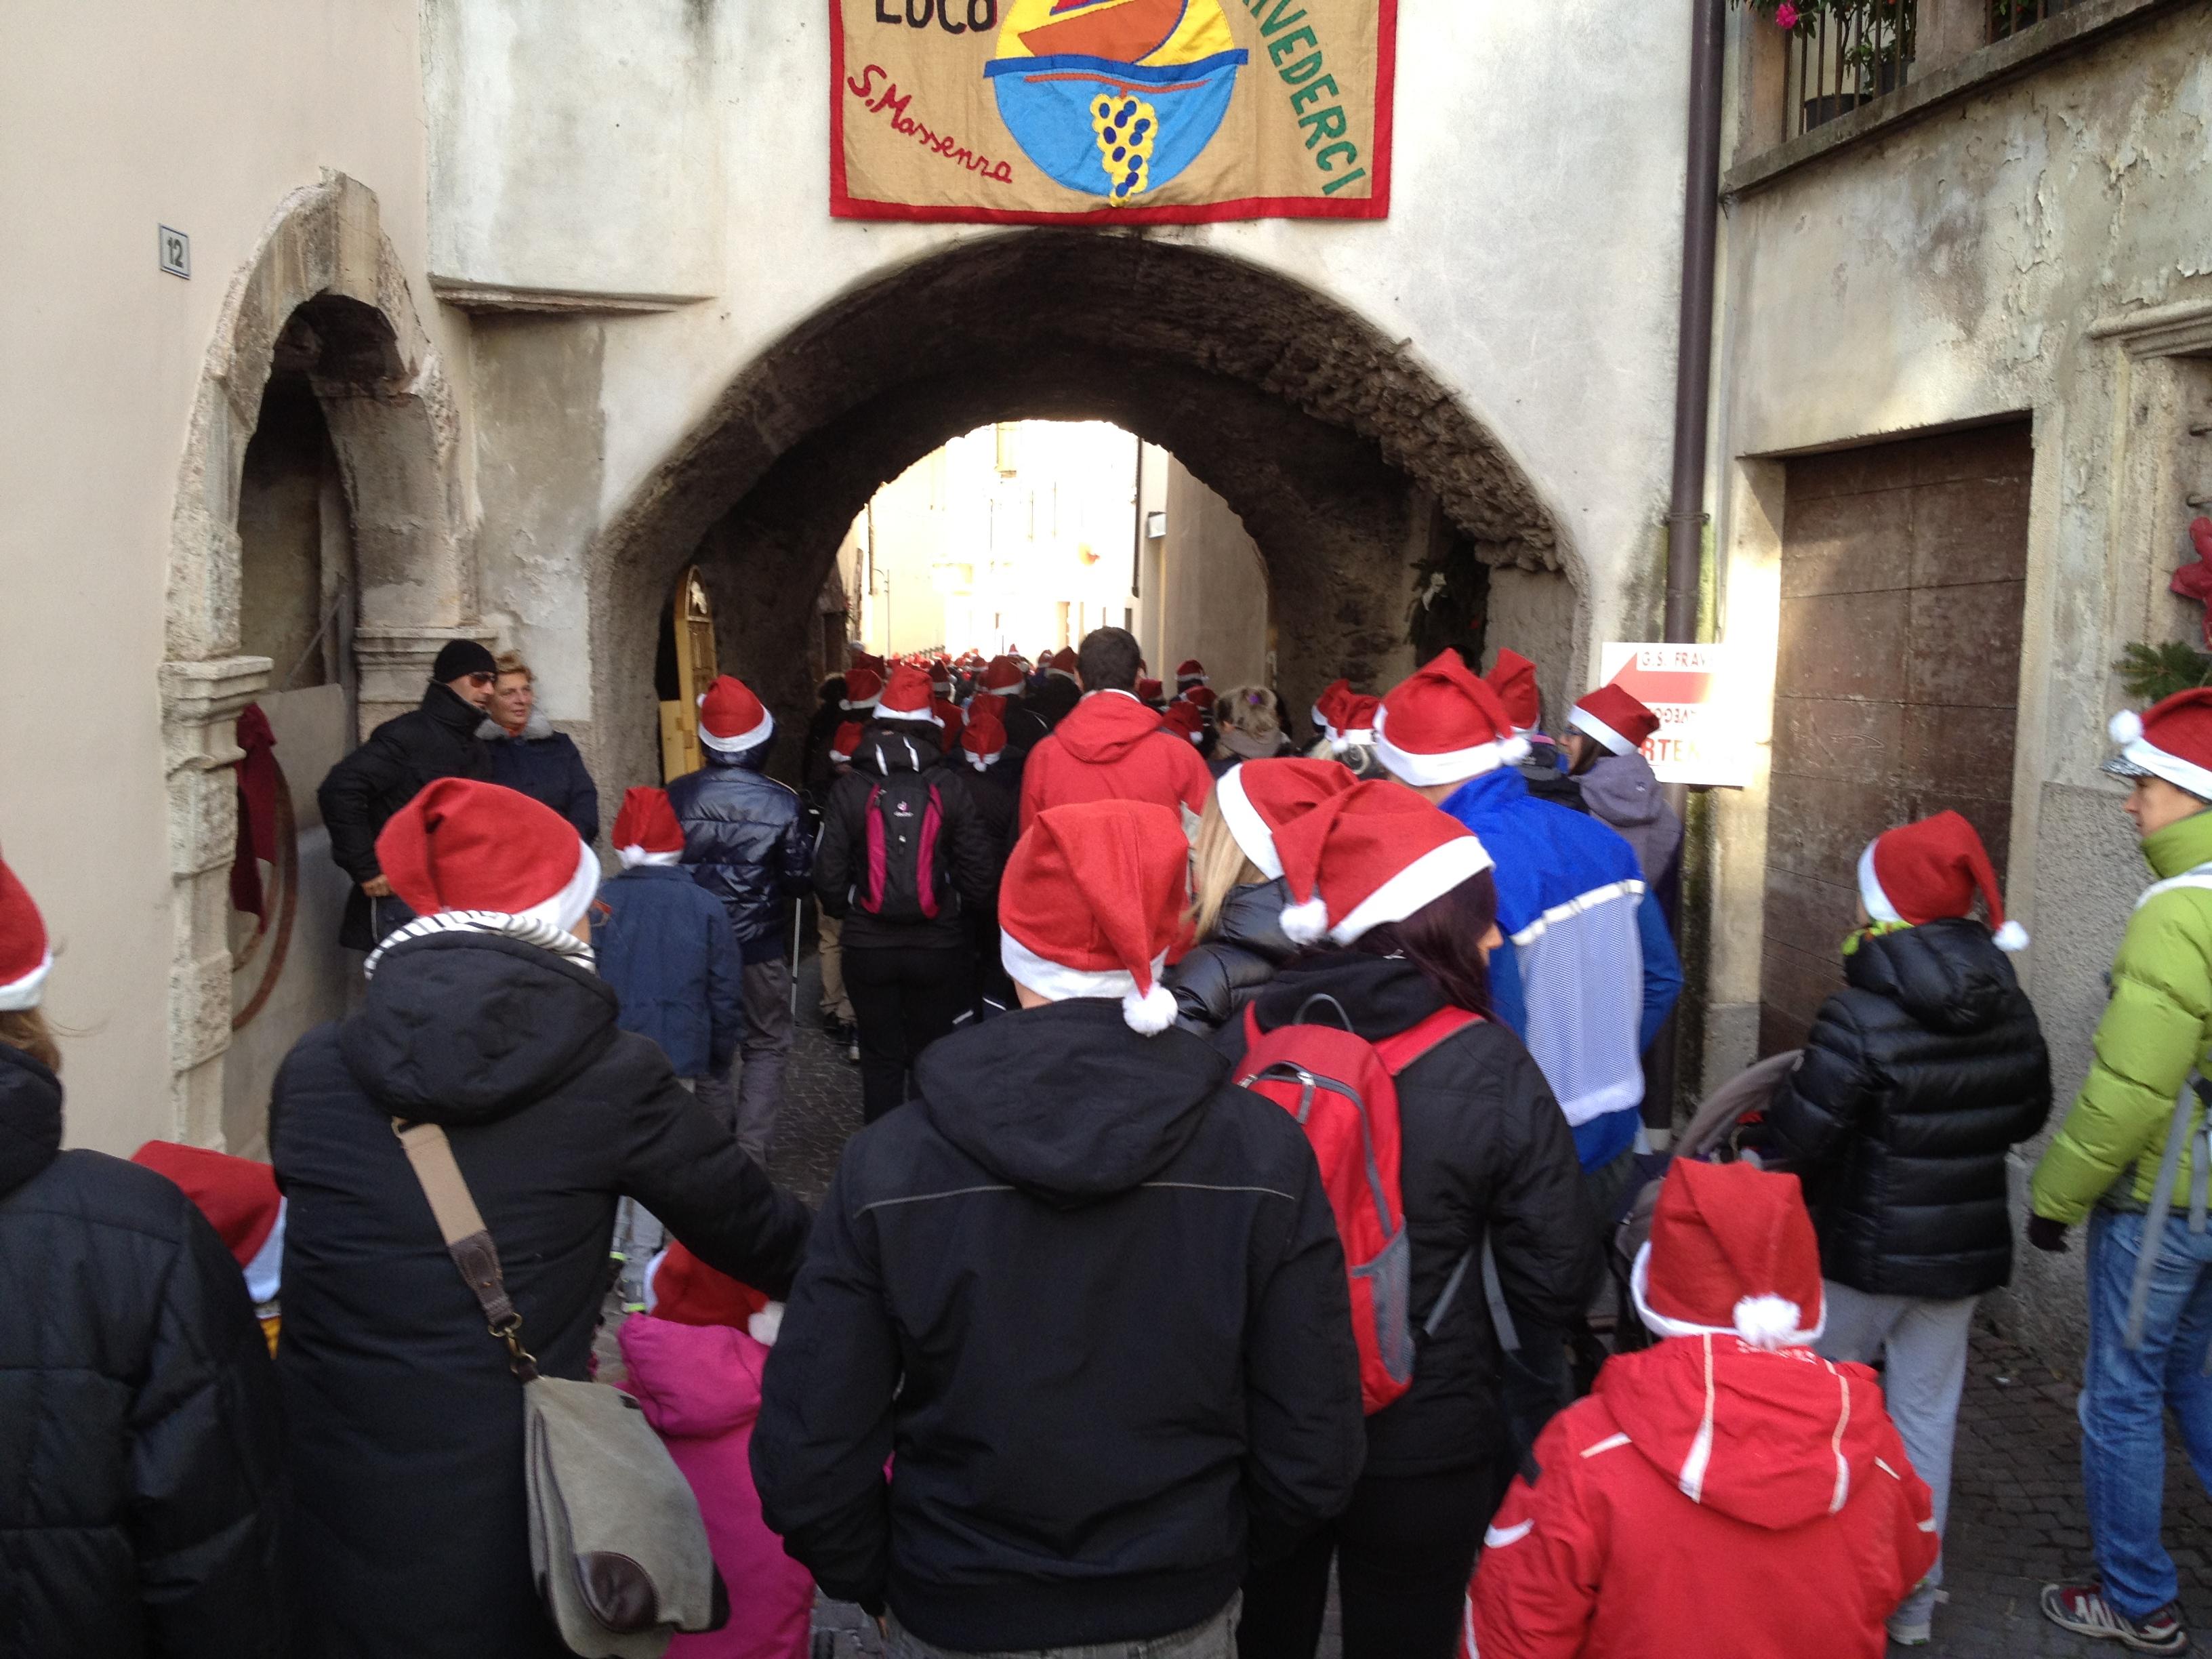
(544, 765)
(1090, 1299)
(1484, 1147)
(964, 850)
(403, 1422)
(1034, 714)
(1237, 961)
(140, 1484)
(746, 840)
(360, 794)
(1917, 1080)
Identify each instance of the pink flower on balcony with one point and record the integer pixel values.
(1785, 16)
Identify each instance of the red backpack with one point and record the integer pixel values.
(1343, 1090)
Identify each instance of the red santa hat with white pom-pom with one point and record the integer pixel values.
(1091, 902)
(1930, 871)
(1190, 671)
(1513, 676)
(25, 957)
(1444, 725)
(1258, 797)
(983, 740)
(1731, 1254)
(847, 743)
(646, 831)
(1619, 719)
(1375, 853)
(463, 845)
(907, 696)
(731, 718)
(2171, 739)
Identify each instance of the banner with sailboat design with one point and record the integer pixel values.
(1105, 111)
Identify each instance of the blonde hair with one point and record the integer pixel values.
(1250, 709)
(511, 662)
(1218, 867)
(27, 1028)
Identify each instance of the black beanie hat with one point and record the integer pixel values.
(461, 658)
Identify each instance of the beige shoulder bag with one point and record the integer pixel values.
(616, 1538)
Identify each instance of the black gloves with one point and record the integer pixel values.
(2047, 1234)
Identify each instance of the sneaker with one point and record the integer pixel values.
(2083, 1609)
(1910, 1633)
(853, 1051)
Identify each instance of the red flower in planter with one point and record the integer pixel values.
(1785, 16)
(2193, 581)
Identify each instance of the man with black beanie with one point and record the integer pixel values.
(362, 792)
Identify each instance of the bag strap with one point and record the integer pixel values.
(468, 1241)
(1400, 1051)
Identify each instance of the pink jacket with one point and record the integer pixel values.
(700, 1388)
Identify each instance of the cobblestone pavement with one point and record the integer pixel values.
(2016, 1514)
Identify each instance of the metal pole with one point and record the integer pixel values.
(797, 921)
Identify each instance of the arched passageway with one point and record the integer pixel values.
(1366, 484)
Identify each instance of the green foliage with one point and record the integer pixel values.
(2154, 672)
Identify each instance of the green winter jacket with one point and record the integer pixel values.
(2156, 1029)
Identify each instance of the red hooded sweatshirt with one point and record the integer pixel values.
(1709, 1501)
(1112, 748)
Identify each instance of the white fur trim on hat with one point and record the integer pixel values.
(566, 907)
(1870, 894)
(1453, 766)
(634, 857)
(1763, 1322)
(1427, 879)
(265, 1274)
(983, 763)
(1245, 823)
(1056, 982)
(2184, 775)
(17, 995)
(744, 740)
(884, 714)
(1583, 720)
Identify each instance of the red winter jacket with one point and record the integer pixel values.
(1112, 748)
(1709, 1501)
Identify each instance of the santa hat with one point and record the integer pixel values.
(1062, 663)
(1731, 1254)
(1188, 672)
(1003, 678)
(1444, 725)
(946, 712)
(1185, 719)
(1618, 720)
(646, 830)
(862, 687)
(1513, 677)
(1931, 869)
(1151, 691)
(941, 672)
(1355, 718)
(1200, 697)
(869, 661)
(1325, 704)
(2172, 740)
(1259, 797)
(907, 697)
(238, 1198)
(1092, 901)
(845, 743)
(462, 844)
(985, 739)
(732, 720)
(681, 1288)
(26, 958)
(1374, 853)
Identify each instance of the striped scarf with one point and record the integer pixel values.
(543, 934)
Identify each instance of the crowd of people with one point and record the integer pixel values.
(1258, 1191)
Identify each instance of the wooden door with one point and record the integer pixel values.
(692, 617)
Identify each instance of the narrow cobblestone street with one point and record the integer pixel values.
(2016, 1512)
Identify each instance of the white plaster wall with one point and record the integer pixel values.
(114, 119)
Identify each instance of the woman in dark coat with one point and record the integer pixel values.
(1918, 1079)
(139, 1483)
(403, 1420)
(526, 754)
(1486, 1154)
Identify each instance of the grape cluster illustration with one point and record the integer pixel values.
(1125, 127)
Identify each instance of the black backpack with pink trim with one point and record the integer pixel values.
(903, 878)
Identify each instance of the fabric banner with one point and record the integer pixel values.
(1106, 111)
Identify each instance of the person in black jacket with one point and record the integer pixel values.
(1918, 1078)
(360, 794)
(1073, 1343)
(746, 841)
(1237, 892)
(909, 979)
(995, 785)
(1484, 1156)
(141, 1479)
(528, 755)
(402, 1419)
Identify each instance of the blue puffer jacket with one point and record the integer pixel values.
(666, 947)
(746, 841)
(543, 764)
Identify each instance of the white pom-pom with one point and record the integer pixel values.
(2124, 728)
(1304, 923)
(765, 1325)
(2012, 937)
(1514, 749)
(1148, 1013)
(1766, 1321)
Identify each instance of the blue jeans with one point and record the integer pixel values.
(2125, 1397)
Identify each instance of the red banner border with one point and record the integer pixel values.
(844, 204)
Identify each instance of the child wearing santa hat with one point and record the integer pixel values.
(238, 1197)
(1091, 1292)
(1726, 1494)
(693, 1359)
(142, 1496)
(1606, 754)
(1917, 1080)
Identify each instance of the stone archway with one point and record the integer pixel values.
(1362, 476)
(390, 412)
